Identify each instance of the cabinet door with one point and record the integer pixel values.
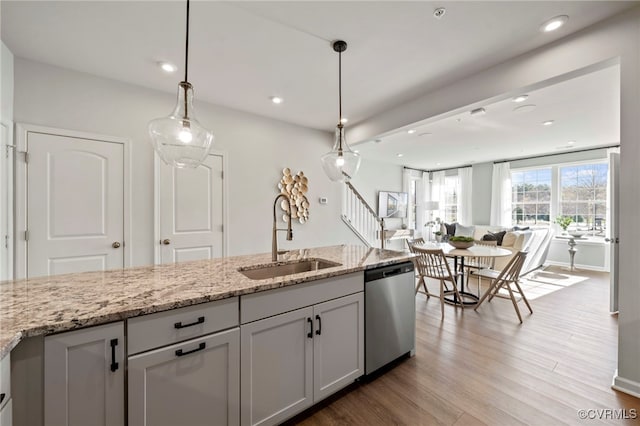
(196, 382)
(277, 367)
(84, 377)
(338, 344)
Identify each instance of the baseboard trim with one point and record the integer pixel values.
(625, 385)
(578, 266)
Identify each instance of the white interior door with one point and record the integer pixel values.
(75, 204)
(613, 227)
(191, 211)
(6, 203)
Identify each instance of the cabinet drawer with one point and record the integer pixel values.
(273, 302)
(163, 328)
(5, 379)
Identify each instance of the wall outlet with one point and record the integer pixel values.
(323, 200)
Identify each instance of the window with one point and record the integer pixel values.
(531, 197)
(583, 195)
(450, 207)
(413, 203)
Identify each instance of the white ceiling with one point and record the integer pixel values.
(244, 52)
(584, 109)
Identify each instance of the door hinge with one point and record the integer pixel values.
(26, 235)
(6, 150)
(221, 228)
(6, 241)
(222, 174)
(26, 156)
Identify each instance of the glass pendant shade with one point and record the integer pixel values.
(340, 164)
(179, 139)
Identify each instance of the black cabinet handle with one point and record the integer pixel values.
(114, 364)
(200, 347)
(310, 333)
(2, 395)
(319, 330)
(179, 325)
(396, 271)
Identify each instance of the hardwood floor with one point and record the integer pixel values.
(484, 368)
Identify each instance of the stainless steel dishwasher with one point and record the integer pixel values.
(390, 314)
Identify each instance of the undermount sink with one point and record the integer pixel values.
(279, 270)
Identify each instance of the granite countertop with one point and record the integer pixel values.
(46, 305)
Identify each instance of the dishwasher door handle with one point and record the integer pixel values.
(391, 273)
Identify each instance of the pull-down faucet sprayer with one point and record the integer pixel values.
(274, 236)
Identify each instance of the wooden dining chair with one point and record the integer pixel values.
(504, 280)
(475, 264)
(418, 241)
(432, 263)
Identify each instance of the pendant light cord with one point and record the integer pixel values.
(340, 84)
(186, 48)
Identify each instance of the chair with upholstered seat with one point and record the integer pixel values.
(504, 280)
(432, 263)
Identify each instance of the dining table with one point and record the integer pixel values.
(459, 255)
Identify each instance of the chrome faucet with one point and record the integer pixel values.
(274, 237)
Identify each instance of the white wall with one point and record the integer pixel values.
(616, 40)
(375, 176)
(258, 149)
(6, 84)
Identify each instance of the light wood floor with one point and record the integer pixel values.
(483, 367)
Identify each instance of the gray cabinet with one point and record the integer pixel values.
(338, 344)
(277, 367)
(184, 366)
(191, 383)
(292, 360)
(84, 377)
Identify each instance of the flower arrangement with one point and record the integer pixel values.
(564, 222)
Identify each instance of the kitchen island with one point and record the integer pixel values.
(40, 310)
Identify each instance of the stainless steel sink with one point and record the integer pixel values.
(278, 270)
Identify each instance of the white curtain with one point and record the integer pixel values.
(465, 196)
(501, 195)
(438, 193)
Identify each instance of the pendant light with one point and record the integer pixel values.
(179, 139)
(340, 164)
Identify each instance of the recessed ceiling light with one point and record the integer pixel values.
(554, 23)
(400, 155)
(478, 111)
(547, 123)
(437, 164)
(276, 100)
(168, 67)
(343, 120)
(520, 98)
(524, 108)
(571, 142)
(411, 131)
(356, 151)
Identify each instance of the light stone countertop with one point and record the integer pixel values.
(47, 305)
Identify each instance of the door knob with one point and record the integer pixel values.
(166, 241)
(115, 245)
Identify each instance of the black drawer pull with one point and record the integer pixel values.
(310, 333)
(2, 395)
(114, 364)
(200, 347)
(319, 330)
(179, 325)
